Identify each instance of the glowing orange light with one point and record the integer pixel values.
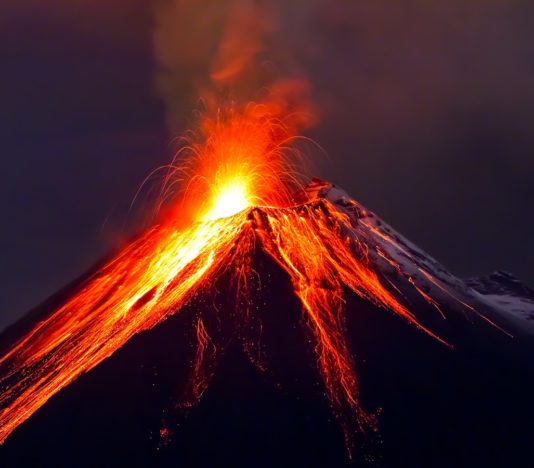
(232, 198)
(238, 199)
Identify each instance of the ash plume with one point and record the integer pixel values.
(232, 50)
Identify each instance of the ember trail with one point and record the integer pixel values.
(240, 192)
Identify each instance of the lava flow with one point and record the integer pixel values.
(238, 198)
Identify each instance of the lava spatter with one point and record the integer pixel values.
(238, 197)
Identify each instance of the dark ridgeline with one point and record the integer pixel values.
(471, 406)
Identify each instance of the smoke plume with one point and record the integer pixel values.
(216, 50)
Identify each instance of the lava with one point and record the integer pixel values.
(238, 195)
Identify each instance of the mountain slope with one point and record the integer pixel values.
(503, 295)
(466, 404)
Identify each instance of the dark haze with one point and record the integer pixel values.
(426, 111)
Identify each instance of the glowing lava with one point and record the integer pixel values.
(238, 198)
(232, 199)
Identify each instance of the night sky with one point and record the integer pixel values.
(426, 114)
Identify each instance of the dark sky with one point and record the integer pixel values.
(426, 113)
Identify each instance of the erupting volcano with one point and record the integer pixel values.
(243, 195)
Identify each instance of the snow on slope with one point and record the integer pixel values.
(504, 291)
(500, 293)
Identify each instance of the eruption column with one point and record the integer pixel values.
(238, 200)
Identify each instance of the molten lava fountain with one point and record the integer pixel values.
(239, 196)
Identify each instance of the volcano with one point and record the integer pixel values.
(319, 336)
